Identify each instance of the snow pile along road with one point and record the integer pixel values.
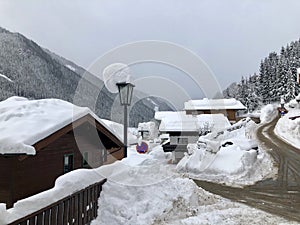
(145, 190)
(288, 126)
(148, 191)
(65, 185)
(228, 157)
(268, 113)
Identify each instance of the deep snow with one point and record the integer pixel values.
(144, 189)
(135, 198)
(21, 120)
(228, 157)
(289, 129)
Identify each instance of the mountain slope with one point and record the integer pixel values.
(28, 70)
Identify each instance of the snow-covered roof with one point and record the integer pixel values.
(180, 121)
(24, 122)
(146, 126)
(213, 104)
(118, 128)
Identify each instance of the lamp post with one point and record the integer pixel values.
(125, 93)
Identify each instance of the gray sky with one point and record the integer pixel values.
(231, 36)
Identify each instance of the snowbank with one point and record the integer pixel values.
(143, 190)
(289, 129)
(228, 157)
(65, 185)
(167, 199)
(24, 122)
(268, 113)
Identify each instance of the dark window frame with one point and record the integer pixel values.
(67, 166)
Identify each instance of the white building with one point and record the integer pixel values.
(184, 129)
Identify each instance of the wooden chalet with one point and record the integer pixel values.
(85, 142)
(227, 107)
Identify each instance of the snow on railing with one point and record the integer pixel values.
(78, 208)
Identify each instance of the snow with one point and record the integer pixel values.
(65, 185)
(71, 68)
(288, 129)
(150, 127)
(148, 191)
(228, 157)
(213, 104)
(144, 189)
(154, 103)
(268, 113)
(21, 120)
(179, 121)
(118, 128)
(5, 77)
(115, 73)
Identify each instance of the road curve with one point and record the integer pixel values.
(280, 196)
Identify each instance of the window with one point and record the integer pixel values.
(68, 163)
(85, 159)
(182, 141)
(104, 155)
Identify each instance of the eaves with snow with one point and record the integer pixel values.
(214, 104)
(25, 122)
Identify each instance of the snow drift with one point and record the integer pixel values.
(228, 157)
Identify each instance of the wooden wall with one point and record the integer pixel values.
(28, 175)
(229, 113)
(6, 178)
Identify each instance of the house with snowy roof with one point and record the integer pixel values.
(227, 107)
(148, 130)
(184, 129)
(42, 139)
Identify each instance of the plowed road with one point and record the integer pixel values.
(280, 196)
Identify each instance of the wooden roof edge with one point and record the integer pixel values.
(71, 126)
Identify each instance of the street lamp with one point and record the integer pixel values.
(125, 93)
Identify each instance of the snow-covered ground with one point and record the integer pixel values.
(144, 189)
(228, 157)
(148, 191)
(65, 185)
(288, 128)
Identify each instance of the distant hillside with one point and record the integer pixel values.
(276, 79)
(28, 70)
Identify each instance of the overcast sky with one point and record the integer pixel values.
(231, 36)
